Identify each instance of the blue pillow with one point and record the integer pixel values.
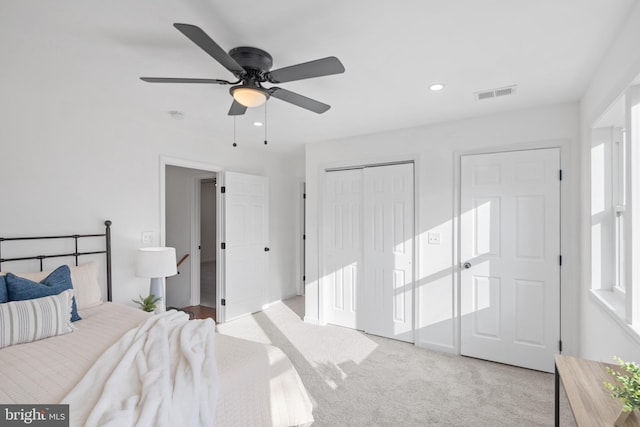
(20, 289)
(4, 296)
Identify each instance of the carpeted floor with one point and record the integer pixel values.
(355, 379)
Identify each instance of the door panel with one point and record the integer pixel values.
(510, 236)
(246, 237)
(388, 251)
(342, 243)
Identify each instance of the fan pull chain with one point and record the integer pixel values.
(265, 124)
(234, 132)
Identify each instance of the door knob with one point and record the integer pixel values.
(266, 249)
(467, 265)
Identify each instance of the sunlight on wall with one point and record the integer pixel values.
(435, 274)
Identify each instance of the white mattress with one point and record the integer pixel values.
(258, 384)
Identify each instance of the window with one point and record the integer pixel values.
(615, 224)
(619, 206)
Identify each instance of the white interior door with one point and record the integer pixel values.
(388, 251)
(245, 236)
(342, 245)
(510, 249)
(368, 250)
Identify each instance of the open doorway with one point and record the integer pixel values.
(241, 238)
(191, 227)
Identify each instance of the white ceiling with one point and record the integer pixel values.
(81, 50)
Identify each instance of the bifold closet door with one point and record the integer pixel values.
(368, 250)
(387, 287)
(342, 245)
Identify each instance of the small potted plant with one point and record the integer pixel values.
(147, 304)
(628, 390)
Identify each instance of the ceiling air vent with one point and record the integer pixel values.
(494, 93)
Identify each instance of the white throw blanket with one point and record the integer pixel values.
(162, 373)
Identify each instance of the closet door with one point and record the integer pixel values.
(368, 250)
(342, 246)
(388, 251)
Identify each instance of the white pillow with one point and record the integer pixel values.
(85, 283)
(35, 319)
(86, 287)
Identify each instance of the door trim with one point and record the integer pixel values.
(204, 167)
(369, 165)
(565, 312)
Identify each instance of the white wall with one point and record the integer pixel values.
(435, 150)
(66, 166)
(601, 336)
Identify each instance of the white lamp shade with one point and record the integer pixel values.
(156, 262)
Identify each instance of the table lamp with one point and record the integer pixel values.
(156, 264)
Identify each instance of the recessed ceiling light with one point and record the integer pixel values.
(258, 124)
(436, 87)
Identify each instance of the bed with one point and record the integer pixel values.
(256, 384)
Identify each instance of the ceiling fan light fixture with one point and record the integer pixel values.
(249, 96)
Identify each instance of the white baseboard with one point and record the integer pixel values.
(436, 347)
(311, 320)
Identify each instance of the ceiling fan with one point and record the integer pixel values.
(251, 67)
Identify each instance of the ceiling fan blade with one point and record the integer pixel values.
(181, 80)
(299, 100)
(199, 37)
(307, 70)
(237, 109)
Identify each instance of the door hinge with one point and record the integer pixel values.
(304, 237)
(223, 189)
(199, 247)
(223, 301)
(560, 346)
(560, 259)
(304, 278)
(560, 175)
(304, 195)
(223, 245)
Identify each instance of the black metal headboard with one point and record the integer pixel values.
(76, 254)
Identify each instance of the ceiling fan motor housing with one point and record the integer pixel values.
(252, 58)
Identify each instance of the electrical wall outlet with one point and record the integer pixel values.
(147, 238)
(433, 238)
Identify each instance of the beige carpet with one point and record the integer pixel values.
(355, 379)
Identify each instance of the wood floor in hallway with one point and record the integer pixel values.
(201, 311)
